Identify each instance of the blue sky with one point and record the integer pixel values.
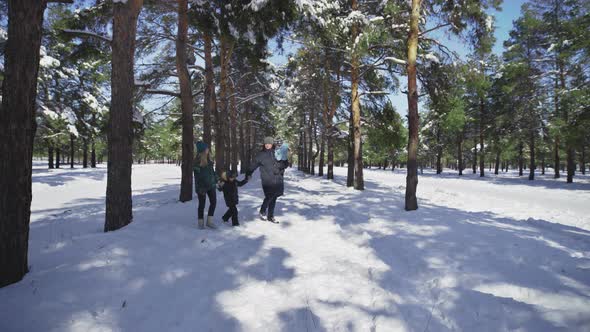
(503, 22)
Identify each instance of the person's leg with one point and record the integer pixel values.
(265, 204)
(212, 201)
(234, 217)
(201, 209)
(271, 206)
(227, 214)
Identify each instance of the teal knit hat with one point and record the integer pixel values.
(201, 146)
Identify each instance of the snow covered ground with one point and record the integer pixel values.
(493, 254)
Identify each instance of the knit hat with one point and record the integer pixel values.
(269, 140)
(231, 174)
(201, 146)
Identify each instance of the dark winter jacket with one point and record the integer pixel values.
(205, 178)
(271, 172)
(230, 191)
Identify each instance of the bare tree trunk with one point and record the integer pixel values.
(571, 164)
(359, 183)
(57, 157)
(474, 156)
(243, 166)
(350, 175)
(120, 141)
(322, 150)
(583, 160)
(93, 156)
(481, 138)
(520, 159)
(222, 153)
(556, 158)
(439, 151)
(186, 103)
(17, 130)
(234, 129)
(50, 156)
(460, 153)
(84, 153)
(72, 151)
(210, 102)
(411, 202)
(532, 161)
(497, 166)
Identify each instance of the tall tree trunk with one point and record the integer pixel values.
(460, 153)
(583, 160)
(481, 139)
(556, 158)
(322, 151)
(57, 157)
(439, 151)
(84, 153)
(411, 202)
(234, 129)
(17, 130)
(532, 161)
(186, 103)
(210, 100)
(311, 141)
(571, 163)
(222, 153)
(474, 156)
(497, 166)
(243, 166)
(72, 151)
(93, 155)
(50, 156)
(355, 78)
(120, 140)
(520, 159)
(350, 175)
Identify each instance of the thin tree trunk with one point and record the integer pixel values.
(571, 164)
(350, 175)
(497, 166)
(439, 152)
(234, 130)
(72, 151)
(474, 156)
(93, 155)
(520, 159)
(556, 158)
(359, 183)
(17, 131)
(481, 138)
(120, 141)
(210, 102)
(243, 166)
(532, 161)
(322, 150)
(186, 103)
(460, 153)
(583, 160)
(411, 202)
(50, 156)
(84, 153)
(57, 157)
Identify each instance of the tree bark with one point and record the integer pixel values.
(520, 159)
(233, 129)
(556, 158)
(210, 100)
(322, 151)
(439, 151)
(84, 153)
(571, 163)
(411, 202)
(120, 140)
(50, 156)
(72, 151)
(583, 160)
(222, 142)
(17, 131)
(460, 153)
(186, 103)
(359, 183)
(532, 161)
(350, 175)
(497, 166)
(57, 157)
(481, 139)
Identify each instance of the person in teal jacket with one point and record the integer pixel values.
(205, 184)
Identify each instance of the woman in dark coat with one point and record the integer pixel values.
(205, 183)
(271, 176)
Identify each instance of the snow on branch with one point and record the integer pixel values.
(83, 33)
(396, 60)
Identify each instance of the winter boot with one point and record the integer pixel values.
(201, 223)
(262, 216)
(210, 222)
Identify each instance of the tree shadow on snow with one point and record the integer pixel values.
(479, 272)
(160, 273)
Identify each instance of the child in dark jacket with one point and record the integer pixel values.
(229, 185)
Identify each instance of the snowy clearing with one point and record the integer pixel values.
(493, 254)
